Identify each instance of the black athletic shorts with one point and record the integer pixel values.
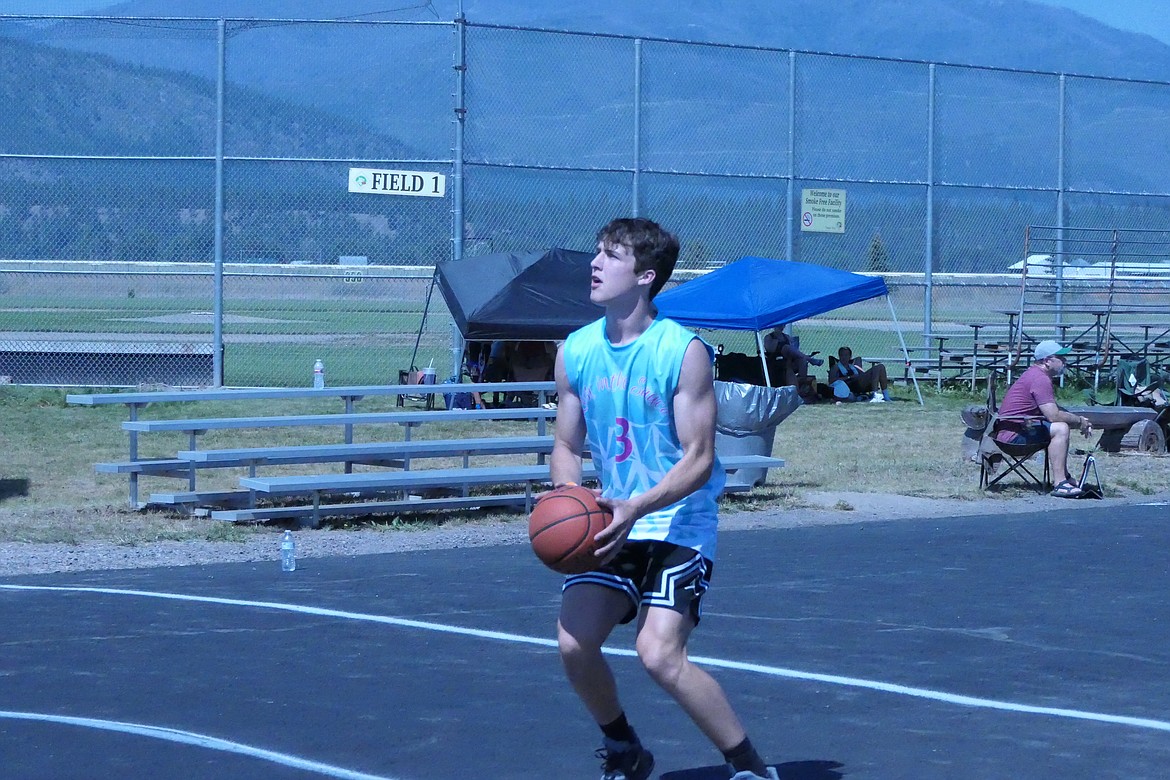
(654, 574)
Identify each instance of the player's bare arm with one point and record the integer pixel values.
(569, 433)
(694, 416)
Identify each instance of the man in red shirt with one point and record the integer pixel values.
(1029, 414)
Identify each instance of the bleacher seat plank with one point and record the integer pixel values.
(368, 452)
(317, 485)
(272, 393)
(372, 507)
(424, 478)
(204, 497)
(165, 467)
(379, 482)
(194, 425)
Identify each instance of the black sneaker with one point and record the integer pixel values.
(625, 761)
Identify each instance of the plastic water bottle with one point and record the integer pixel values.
(288, 552)
(318, 375)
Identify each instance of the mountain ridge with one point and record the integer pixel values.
(1020, 34)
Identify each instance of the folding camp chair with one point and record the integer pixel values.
(1137, 383)
(1015, 457)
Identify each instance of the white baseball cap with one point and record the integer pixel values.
(1046, 349)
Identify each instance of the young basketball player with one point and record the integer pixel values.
(639, 387)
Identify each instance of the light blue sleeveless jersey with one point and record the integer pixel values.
(627, 395)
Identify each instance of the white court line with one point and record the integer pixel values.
(198, 740)
(771, 671)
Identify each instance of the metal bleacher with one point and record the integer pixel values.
(393, 486)
(1104, 292)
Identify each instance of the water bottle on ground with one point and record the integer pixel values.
(318, 375)
(288, 552)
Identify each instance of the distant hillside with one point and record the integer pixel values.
(398, 82)
(997, 33)
(58, 101)
(62, 102)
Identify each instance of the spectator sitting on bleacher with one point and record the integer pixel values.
(871, 380)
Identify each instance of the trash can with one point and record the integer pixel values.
(745, 424)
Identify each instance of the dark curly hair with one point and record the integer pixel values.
(653, 247)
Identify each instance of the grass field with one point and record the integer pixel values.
(364, 335)
(50, 492)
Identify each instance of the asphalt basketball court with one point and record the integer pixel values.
(1023, 646)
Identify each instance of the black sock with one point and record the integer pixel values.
(744, 758)
(619, 730)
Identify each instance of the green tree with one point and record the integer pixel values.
(879, 260)
(695, 255)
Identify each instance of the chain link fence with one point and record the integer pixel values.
(174, 205)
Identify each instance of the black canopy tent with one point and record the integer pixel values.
(530, 296)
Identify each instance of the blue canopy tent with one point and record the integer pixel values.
(758, 293)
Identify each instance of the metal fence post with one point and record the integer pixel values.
(635, 195)
(460, 120)
(1059, 269)
(928, 271)
(790, 193)
(217, 317)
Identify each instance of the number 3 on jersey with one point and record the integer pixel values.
(623, 438)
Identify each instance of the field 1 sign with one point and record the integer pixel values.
(424, 184)
(822, 211)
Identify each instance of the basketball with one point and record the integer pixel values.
(562, 526)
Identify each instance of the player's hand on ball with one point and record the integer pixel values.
(611, 539)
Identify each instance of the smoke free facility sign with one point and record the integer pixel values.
(425, 184)
(822, 211)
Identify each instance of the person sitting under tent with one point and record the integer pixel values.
(474, 356)
(872, 380)
(497, 368)
(530, 361)
(788, 365)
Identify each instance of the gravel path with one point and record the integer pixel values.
(827, 508)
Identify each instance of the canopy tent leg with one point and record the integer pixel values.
(763, 360)
(905, 352)
(423, 323)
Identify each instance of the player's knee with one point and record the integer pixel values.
(572, 647)
(663, 662)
